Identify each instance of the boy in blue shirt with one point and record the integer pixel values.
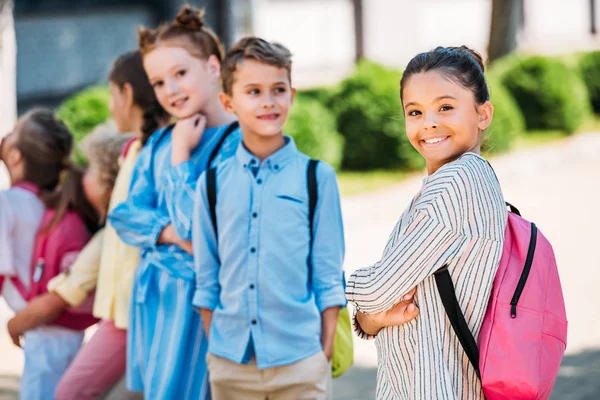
(271, 318)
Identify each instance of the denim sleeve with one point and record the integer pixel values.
(328, 245)
(138, 221)
(206, 253)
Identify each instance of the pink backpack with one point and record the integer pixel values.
(524, 332)
(53, 252)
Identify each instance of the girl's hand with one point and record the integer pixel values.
(169, 236)
(399, 314)
(186, 136)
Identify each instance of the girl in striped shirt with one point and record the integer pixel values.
(457, 220)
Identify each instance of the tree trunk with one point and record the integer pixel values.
(359, 34)
(507, 16)
(8, 76)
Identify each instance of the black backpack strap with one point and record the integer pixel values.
(211, 177)
(313, 196)
(513, 209)
(211, 194)
(232, 127)
(457, 319)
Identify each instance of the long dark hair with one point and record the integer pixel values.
(45, 144)
(460, 64)
(129, 68)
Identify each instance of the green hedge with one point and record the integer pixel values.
(551, 95)
(313, 128)
(369, 115)
(507, 123)
(589, 67)
(83, 112)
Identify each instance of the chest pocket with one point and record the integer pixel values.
(290, 207)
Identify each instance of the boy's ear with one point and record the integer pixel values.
(486, 113)
(226, 102)
(293, 94)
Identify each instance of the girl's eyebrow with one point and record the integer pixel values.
(412, 103)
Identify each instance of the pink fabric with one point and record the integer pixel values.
(97, 366)
(520, 357)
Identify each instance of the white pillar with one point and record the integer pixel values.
(8, 76)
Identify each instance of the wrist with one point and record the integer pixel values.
(367, 324)
(179, 155)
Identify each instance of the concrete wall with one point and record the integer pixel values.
(320, 34)
(396, 30)
(8, 99)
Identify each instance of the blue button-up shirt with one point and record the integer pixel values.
(255, 277)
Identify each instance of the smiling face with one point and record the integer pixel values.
(261, 97)
(443, 120)
(183, 84)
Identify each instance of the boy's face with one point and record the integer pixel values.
(261, 97)
(183, 84)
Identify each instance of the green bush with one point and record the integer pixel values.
(508, 122)
(320, 94)
(589, 67)
(369, 115)
(550, 95)
(83, 112)
(314, 130)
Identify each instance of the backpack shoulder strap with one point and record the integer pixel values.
(232, 127)
(313, 196)
(211, 194)
(455, 315)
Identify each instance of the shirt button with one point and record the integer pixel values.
(251, 286)
(253, 250)
(253, 161)
(259, 181)
(253, 322)
(276, 167)
(254, 215)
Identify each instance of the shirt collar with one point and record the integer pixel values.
(276, 161)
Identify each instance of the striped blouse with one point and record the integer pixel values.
(458, 218)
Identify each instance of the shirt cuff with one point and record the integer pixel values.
(181, 172)
(205, 299)
(330, 297)
(70, 293)
(358, 330)
(159, 225)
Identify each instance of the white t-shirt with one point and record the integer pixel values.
(21, 213)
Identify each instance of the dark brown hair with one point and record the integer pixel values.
(254, 48)
(45, 144)
(460, 64)
(188, 31)
(129, 68)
